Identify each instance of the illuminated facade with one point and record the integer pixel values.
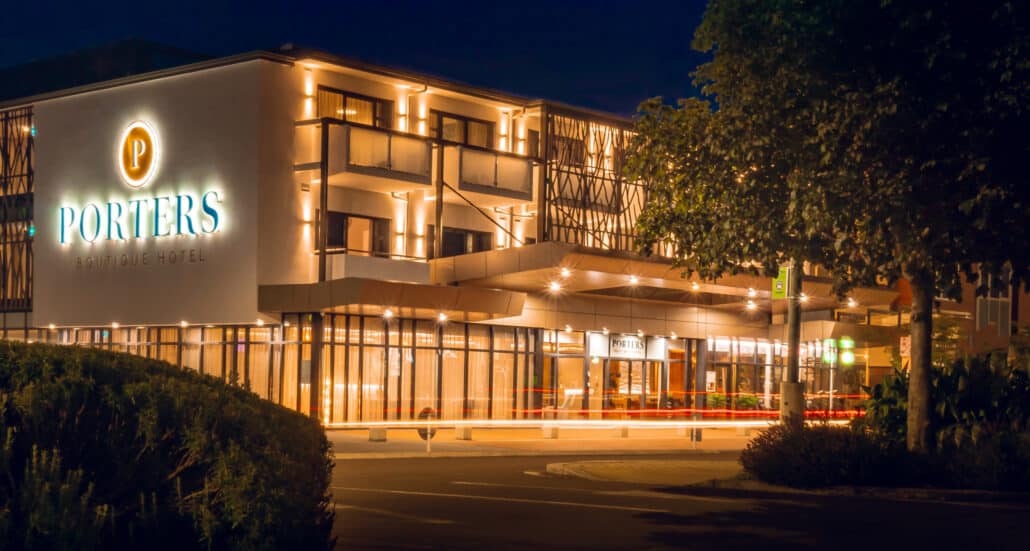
(361, 243)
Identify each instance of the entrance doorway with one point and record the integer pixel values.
(634, 388)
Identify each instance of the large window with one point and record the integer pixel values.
(457, 241)
(359, 235)
(337, 104)
(463, 130)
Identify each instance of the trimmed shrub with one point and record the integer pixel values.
(109, 450)
(822, 455)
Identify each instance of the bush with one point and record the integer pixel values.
(971, 400)
(822, 455)
(108, 450)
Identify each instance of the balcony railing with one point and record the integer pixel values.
(366, 150)
(486, 171)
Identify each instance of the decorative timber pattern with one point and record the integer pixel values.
(586, 201)
(16, 195)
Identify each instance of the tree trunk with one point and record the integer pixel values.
(792, 399)
(921, 326)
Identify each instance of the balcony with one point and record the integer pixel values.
(366, 157)
(492, 174)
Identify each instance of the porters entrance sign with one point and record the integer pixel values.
(138, 156)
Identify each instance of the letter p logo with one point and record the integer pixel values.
(138, 154)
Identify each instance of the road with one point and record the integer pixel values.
(509, 503)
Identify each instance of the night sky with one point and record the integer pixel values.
(605, 55)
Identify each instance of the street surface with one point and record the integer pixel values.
(511, 503)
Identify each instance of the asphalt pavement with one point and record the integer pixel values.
(513, 503)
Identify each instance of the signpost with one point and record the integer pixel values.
(429, 431)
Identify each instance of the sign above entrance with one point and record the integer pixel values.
(627, 346)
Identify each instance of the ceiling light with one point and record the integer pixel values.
(852, 303)
(751, 292)
(388, 314)
(554, 286)
(52, 327)
(751, 305)
(673, 335)
(184, 323)
(633, 280)
(640, 333)
(604, 330)
(694, 286)
(114, 325)
(568, 328)
(441, 317)
(804, 297)
(260, 322)
(565, 272)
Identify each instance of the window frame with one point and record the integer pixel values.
(374, 236)
(382, 109)
(436, 128)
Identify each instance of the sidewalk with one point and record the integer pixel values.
(405, 443)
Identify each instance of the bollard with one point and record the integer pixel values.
(377, 434)
(551, 432)
(463, 433)
(622, 432)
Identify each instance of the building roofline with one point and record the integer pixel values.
(150, 75)
(293, 56)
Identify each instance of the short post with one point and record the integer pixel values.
(550, 431)
(377, 434)
(463, 432)
(622, 431)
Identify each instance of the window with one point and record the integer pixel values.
(995, 308)
(463, 130)
(354, 108)
(358, 235)
(458, 241)
(569, 151)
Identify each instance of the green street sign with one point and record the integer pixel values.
(779, 284)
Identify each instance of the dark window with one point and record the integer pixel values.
(458, 241)
(358, 235)
(354, 108)
(463, 130)
(569, 151)
(533, 143)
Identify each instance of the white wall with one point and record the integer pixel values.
(210, 129)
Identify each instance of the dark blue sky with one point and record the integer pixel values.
(607, 55)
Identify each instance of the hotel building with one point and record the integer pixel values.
(361, 243)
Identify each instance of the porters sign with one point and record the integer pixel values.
(138, 156)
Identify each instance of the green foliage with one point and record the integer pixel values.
(715, 400)
(822, 455)
(111, 450)
(979, 416)
(747, 401)
(971, 400)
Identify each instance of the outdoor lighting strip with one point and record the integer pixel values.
(571, 424)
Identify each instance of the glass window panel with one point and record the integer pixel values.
(453, 384)
(454, 335)
(258, 368)
(504, 338)
(360, 111)
(479, 337)
(425, 380)
(480, 134)
(330, 104)
(479, 385)
(425, 333)
(372, 384)
(503, 388)
(452, 130)
(339, 386)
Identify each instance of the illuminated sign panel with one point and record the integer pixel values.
(139, 151)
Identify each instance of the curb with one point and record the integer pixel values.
(520, 453)
(876, 492)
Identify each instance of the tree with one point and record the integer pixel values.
(905, 127)
(724, 208)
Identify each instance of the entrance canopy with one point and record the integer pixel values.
(354, 295)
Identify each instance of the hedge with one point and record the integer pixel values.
(108, 450)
